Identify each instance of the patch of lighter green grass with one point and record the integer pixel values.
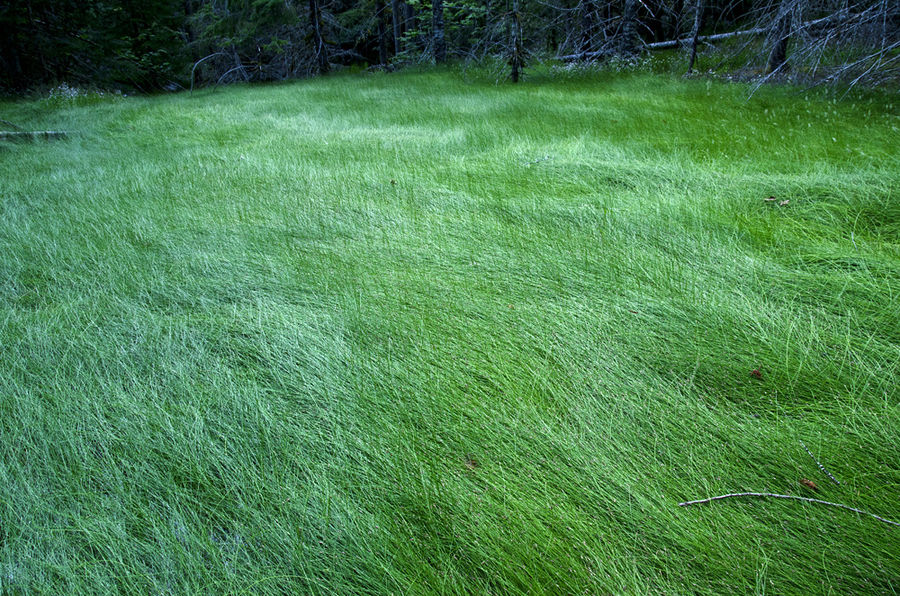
(409, 334)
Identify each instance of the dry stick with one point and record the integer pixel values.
(774, 496)
(818, 463)
(10, 124)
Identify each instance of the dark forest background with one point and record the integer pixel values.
(149, 45)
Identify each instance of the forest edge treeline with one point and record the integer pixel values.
(149, 45)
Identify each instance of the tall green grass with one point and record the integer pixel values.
(414, 335)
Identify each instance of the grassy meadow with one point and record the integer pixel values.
(425, 334)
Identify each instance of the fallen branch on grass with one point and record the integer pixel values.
(10, 124)
(775, 496)
(818, 463)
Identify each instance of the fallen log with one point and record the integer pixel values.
(36, 135)
(669, 44)
(674, 43)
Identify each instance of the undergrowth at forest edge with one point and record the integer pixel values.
(410, 334)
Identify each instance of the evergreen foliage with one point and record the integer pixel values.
(154, 44)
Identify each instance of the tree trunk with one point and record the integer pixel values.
(321, 52)
(380, 12)
(395, 20)
(780, 36)
(440, 45)
(628, 32)
(515, 59)
(695, 33)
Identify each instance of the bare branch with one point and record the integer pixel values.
(792, 497)
(818, 463)
(200, 61)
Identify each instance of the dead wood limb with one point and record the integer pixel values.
(675, 43)
(199, 62)
(667, 45)
(695, 34)
(33, 135)
(792, 497)
(229, 71)
(818, 463)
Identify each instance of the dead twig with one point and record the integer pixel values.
(792, 497)
(818, 463)
(10, 124)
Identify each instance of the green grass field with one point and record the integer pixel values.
(415, 334)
